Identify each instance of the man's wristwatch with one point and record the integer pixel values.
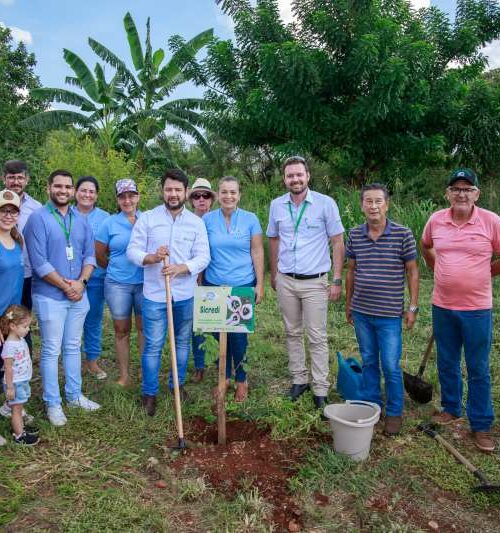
(337, 282)
(84, 281)
(413, 308)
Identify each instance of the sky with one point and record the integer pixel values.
(48, 26)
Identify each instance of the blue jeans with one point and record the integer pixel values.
(154, 327)
(380, 342)
(236, 348)
(198, 352)
(92, 328)
(472, 331)
(61, 326)
(123, 298)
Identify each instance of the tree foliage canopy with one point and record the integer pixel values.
(359, 84)
(17, 79)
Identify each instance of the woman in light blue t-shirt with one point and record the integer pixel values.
(123, 282)
(237, 260)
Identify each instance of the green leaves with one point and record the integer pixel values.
(369, 81)
(134, 42)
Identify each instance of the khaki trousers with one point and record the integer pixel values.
(304, 305)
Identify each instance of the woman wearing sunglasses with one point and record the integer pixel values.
(201, 198)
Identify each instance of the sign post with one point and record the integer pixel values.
(223, 310)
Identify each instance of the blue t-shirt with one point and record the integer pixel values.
(95, 218)
(115, 233)
(231, 262)
(11, 276)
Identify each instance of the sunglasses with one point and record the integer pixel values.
(198, 195)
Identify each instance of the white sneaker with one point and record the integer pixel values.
(84, 403)
(6, 411)
(56, 416)
(3, 442)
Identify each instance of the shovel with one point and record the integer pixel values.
(173, 356)
(418, 390)
(484, 484)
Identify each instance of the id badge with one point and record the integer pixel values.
(69, 253)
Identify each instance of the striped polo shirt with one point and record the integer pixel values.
(379, 274)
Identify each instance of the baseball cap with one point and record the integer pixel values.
(126, 185)
(463, 174)
(9, 198)
(201, 184)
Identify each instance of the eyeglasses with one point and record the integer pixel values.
(15, 178)
(9, 213)
(465, 190)
(198, 195)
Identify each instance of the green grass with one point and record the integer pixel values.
(99, 471)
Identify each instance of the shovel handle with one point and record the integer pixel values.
(427, 354)
(173, 354)
(456, 454)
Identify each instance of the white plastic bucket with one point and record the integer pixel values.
(352, 427)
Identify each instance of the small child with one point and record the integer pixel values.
(15, 325)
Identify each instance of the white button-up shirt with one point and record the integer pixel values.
(187, 241)
(306, 250)
(28, 205)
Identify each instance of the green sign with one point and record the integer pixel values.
(229, 309)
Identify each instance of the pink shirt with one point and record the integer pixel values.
(462, 273)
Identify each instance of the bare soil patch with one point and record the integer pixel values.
(250, 459)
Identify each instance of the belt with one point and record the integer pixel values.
(303, 276)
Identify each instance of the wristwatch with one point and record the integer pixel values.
(84, 281)
(413, 308)
(337, 282)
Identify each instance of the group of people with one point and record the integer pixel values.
(80, 257)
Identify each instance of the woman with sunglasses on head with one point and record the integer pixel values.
(11, 258)
(123, 282)
(86, 192)
(201, 198)
(237, 260)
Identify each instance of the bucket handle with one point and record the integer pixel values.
(369, 404)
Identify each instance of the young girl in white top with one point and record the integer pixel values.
(15, 325)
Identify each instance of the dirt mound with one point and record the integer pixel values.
(250, 458)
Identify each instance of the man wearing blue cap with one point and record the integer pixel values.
(458, 244)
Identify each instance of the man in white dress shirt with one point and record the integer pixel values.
(302, 226)
(172, 230)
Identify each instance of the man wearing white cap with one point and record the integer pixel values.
(201, 198)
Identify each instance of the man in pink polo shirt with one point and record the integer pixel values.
(459, 244)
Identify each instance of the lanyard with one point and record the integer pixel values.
(299, 218)
(60, 221)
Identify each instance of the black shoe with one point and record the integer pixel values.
(298, 390)
(320, 401)
(31, 430)
(149, 404)
(26, 439)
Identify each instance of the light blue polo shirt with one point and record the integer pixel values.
(95, 218)
(231, 262)
(115, 233)
(304, 241)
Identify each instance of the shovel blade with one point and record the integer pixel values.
(418, 390)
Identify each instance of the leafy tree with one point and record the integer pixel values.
(17, 79)
(357, 84)
(131, 111)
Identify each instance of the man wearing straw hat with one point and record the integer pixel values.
(168, 230)
(458, 244)
(201, 198)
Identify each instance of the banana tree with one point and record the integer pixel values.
(132, 111)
